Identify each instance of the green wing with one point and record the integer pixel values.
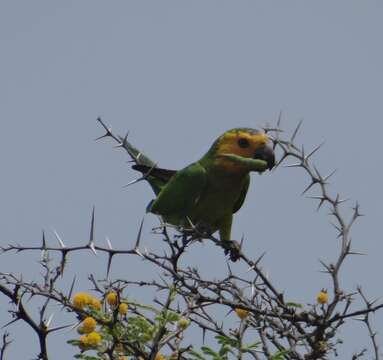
(242, 196)
(179, 195)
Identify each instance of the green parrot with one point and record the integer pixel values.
(207, 192)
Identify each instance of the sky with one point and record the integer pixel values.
(177, 74)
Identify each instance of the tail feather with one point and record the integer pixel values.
(157, 178)
(158, 173)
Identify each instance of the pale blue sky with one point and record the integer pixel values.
(177, 74)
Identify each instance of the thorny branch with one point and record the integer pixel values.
(6, 343)
(283, 329)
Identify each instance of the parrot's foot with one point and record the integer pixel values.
(203, 229)
(232, 248)
(196, 233)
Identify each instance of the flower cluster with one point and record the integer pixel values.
(241, 313)
(84, 300)
(111, 324)
(91, 337)
(90, 340)
(322, 297)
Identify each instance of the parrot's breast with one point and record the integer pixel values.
(218, 199)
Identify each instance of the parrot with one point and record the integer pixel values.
(210, 191)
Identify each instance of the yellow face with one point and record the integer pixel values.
(240, 142)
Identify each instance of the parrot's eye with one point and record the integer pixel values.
(243, 143)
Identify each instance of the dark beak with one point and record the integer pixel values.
(266, 153)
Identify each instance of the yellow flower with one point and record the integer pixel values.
(111, 298)
(84, 340)
(90, 340)
(322, 297)
(95, 304)
(123, 308)
(242, 313)
(159, 356)
(183, 323)
(80, 300)
(89, 325)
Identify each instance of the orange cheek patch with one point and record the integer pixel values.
(229, 143)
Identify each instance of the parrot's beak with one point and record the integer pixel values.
(266, 153)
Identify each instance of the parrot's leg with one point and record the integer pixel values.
(247, 163)
(231, 247)
(225, 227)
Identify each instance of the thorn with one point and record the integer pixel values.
(336, 227)
(49, 321)
(10, 323)
(339, 201)
(72, 327)
(110, 258)
(267, 127)
(313, 182)
(229, 269)
(109, 243)
(324, 271)
(327, 267)
(293, 165)
(91, 234)
(139, 234)
(359, 319)
(59, 239)
(303, 152)
(330, 175)
(44, 243)
(92, 247)
(320, 204)
(356, 253)
(284, 156)
(71, 288)
(59, 328)
(296, 131)
(63, 262)
(143, 177)
(123, 141)
(356, 210)
(44, 252)
(138, 252)
(260, 258)
(252, 267)
(107, 129)
(133, 182)
(120, 145)
(279, 119)
(321, 199)
(314, 151)
(375, 301)
(315, 197)
(317, 172)
(107, 134)
(241, 242)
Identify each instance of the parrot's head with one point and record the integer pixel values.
(245, 144)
